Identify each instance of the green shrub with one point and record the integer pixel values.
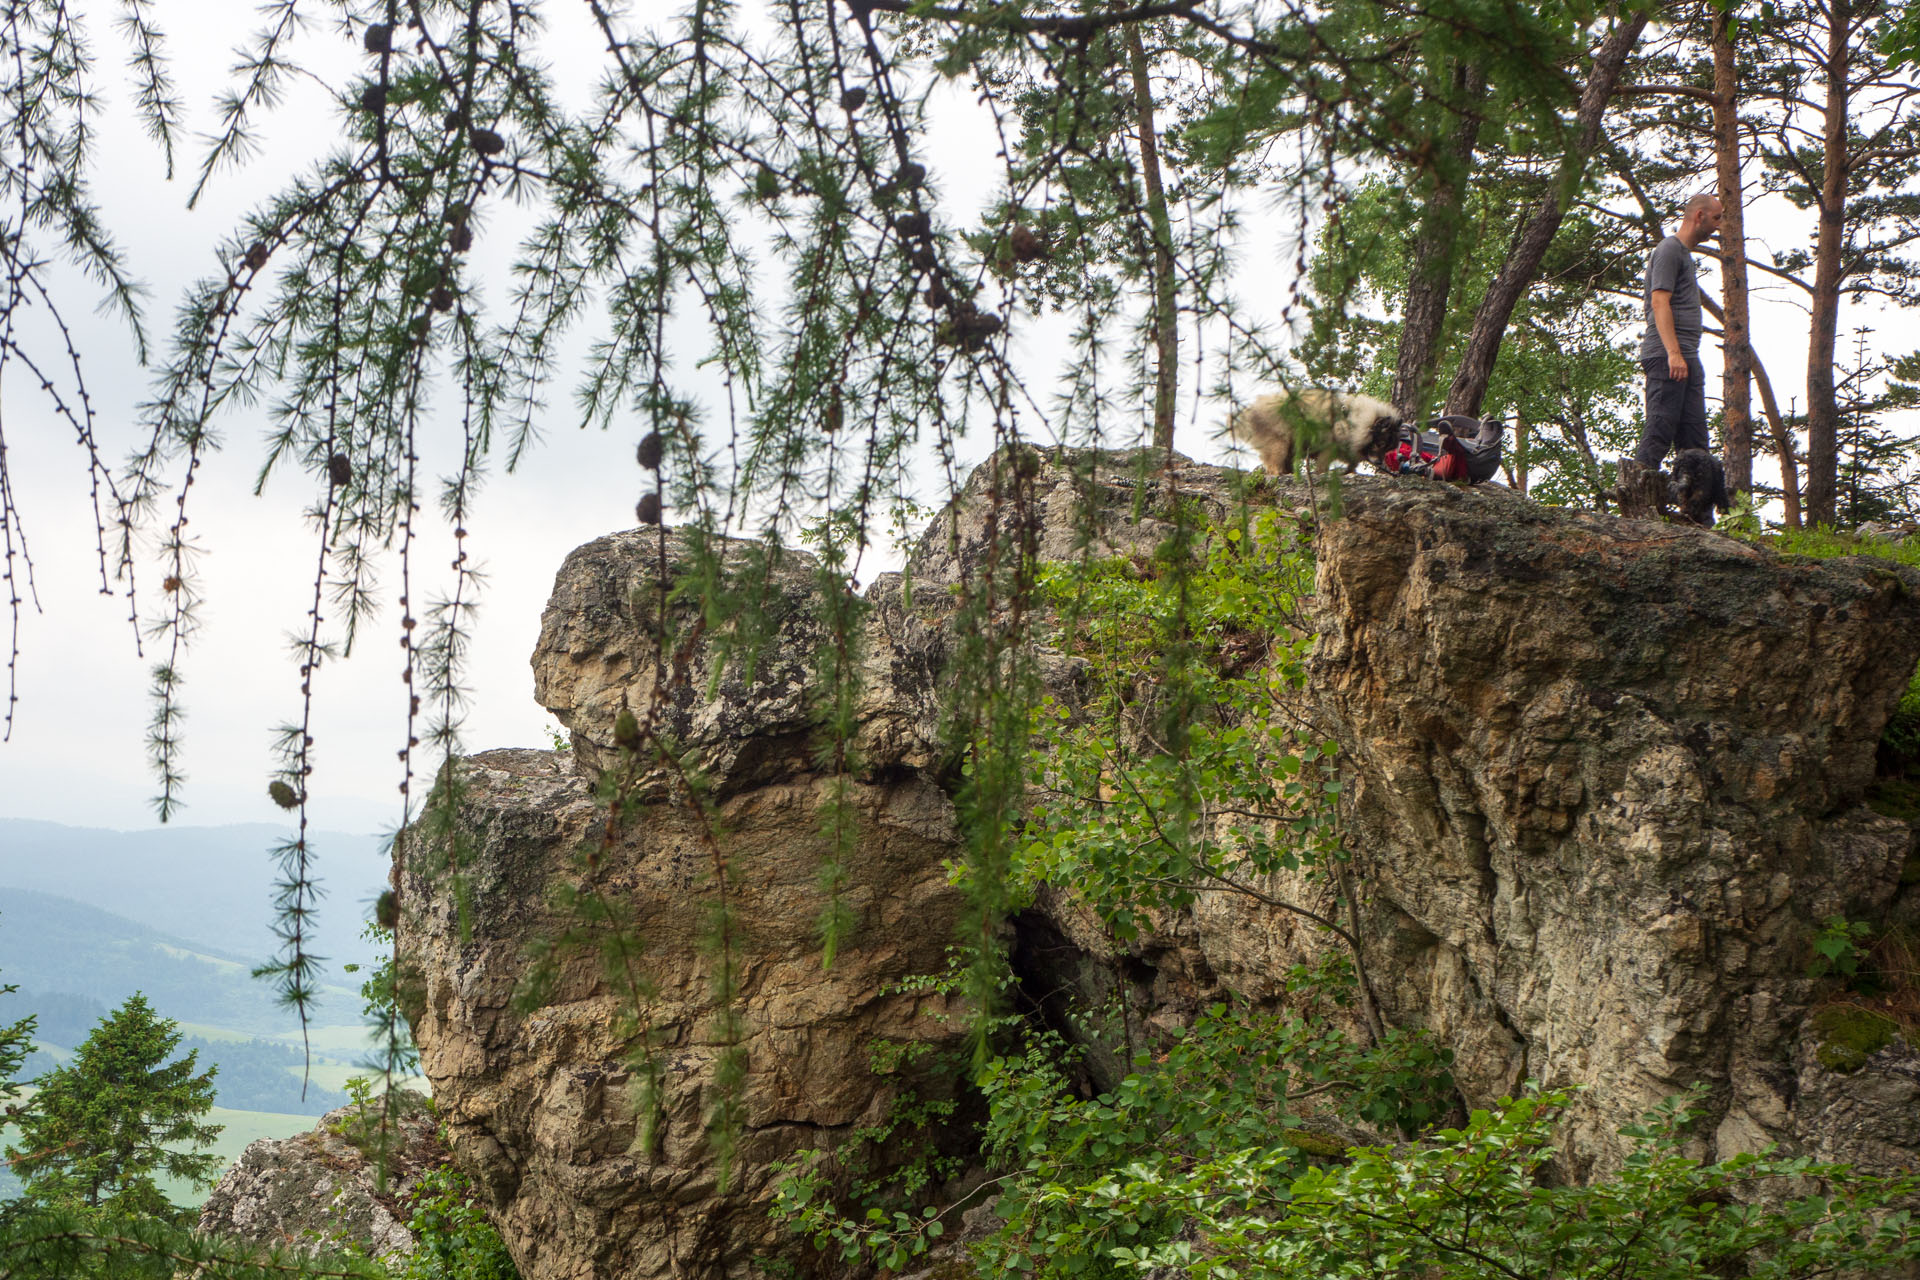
(1902, 735)
(1472, 1204)
(455, 1240)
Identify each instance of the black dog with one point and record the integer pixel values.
(1698, 487)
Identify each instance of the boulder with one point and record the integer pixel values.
(542, 1102)
(322, 1190)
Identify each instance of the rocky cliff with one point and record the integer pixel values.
(1606, 780)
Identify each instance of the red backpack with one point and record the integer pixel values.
(1453, 447)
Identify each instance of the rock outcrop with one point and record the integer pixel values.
(321, 1190)
(543, 1107)
(1606, 782)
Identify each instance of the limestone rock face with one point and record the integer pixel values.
(598, 642)
(541, 1106)
(319, 1191)
(602, 629)
(1606, 783)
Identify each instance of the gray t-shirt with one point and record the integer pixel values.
(1671, 268)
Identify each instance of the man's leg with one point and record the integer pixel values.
(1693, 432)
(1665, 404)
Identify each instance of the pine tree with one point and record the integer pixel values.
(16, 1042)
(102, 1126)
(16, 1045)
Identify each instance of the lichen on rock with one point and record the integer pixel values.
(1849, 1035)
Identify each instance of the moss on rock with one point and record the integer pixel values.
(1315, 1144)
(1849, 1035)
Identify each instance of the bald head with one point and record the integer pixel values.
(1701, 218)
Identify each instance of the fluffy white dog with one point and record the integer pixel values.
(1335, 426)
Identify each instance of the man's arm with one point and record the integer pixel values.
(1661, 300)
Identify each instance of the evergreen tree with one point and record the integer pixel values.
(16, 1042)
(16, 1048)
(102, 1126)
(1880, 467)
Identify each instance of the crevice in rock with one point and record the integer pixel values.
(1093, 1003)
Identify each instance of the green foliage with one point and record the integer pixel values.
(67, 1243)
(1471, 1204)
(1179, 773)
(454, 1239)
(16, 1044)
(361, 1126)
(1185, 771)
(1902, 734)
(383, 1000)
(1837, 947)
(1901, 39)
(101, 1127)
(1878, 475)
(1228, 1088)
(867, 1196)
(1743, 521)
(1823, 543)
(385, 994)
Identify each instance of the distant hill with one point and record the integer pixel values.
(211, 886)
(57, 945)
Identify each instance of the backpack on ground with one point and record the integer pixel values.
(1451, 447)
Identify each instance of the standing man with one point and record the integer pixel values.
(1670, 351)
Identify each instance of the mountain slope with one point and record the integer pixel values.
(54, 944)
(212, 886)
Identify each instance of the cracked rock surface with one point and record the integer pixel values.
(1605, 781)
(541, 1106)
(320, 1191)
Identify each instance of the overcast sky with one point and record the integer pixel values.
(77, 752)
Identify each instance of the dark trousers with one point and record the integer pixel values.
(1676, 412)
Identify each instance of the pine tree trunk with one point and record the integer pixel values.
(1430, 278)
(1517, 274)
(1823, 410)
(1782, 438)
(1166, 313)
(1737, 383)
